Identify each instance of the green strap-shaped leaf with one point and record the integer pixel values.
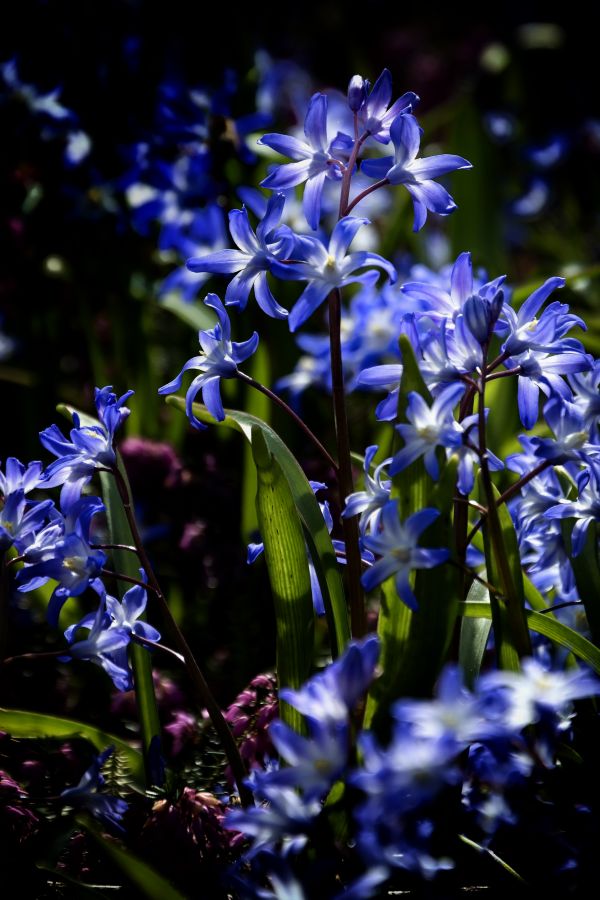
(548, 626)
(474, 635)
(126, 563)
(317, 537)
(23, 724)
(259, 405)
(287, 562)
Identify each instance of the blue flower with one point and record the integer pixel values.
(110, 630)
(428, 428)
(536, 691)
(376, 494)
(20, 520)
(20, 477)
(586, 509)
(253, 259)
(313, 160)
(539, 371)
(62, 551)
(90, 448)
(85, 795)
(396, 543)
(571, 436)
(219, 359)
(329, 697)
(416, 174)
(375, 116)
(546, 333)
(283, 820)
(326, 268)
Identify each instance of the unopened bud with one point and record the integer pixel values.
(481, 315)
(357, 92)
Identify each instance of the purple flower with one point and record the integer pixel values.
(416, 174)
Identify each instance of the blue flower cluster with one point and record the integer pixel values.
(470, 753)
(55, 544)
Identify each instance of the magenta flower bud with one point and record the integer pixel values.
(357, 92)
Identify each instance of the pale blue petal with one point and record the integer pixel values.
(312, 297)
(241, 232)
(286, 145)
(266, 300)
(434, 166)
(530, 307)
(272, 216)
(211, 396)
(311, 202)
(223, 262)
(377, 168)
(343, 235)
(193, 363)
(461, 280)
(315, 123)
(406, 136)
(287, 176)
(241, 351)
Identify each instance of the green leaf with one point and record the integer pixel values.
(139, 873)
(23, 724)
(256, 404)
(548, 626)
(315, 529)
(287, 562)
(586, 568)
(474, 635)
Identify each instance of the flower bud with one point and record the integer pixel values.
(481, 315)
(357, 92)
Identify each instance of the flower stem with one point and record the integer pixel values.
(347, 177)
(202, 691)
(290, 412)
(508, 494)
(519, 639)
(365, 193)
(358, 619)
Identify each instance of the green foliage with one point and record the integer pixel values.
(315, 530)
(23, 724)
(287, 562)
